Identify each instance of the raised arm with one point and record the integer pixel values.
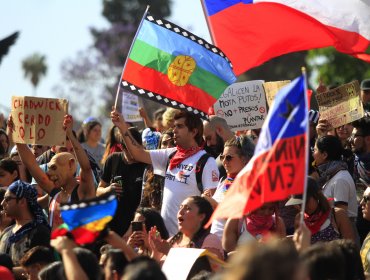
(86, 189)
(146, 119)
(29, 161)
(134, 148)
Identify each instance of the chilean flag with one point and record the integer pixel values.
(252, 32)
(278, 166)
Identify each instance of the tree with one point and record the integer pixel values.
(335, 68)
(97, 69)
(34, 67)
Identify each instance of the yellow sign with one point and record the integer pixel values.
(180, 70)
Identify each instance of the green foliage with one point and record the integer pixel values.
(335, 68)
(34, 67)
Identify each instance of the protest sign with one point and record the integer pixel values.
(39, 120)
(272, 88)
(130, 107)
(243, 105)
(179, 262)
(341, 105)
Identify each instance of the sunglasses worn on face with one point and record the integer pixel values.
(366, 198)
(226, 157)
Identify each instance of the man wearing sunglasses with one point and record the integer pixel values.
(365, 250)
(215, 133)
(360, 143)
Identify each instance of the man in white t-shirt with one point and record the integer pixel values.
(180, 176)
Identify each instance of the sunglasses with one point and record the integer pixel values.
(9, 198)
(226, 157)
(366, 198)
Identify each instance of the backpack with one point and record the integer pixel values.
(198, 168)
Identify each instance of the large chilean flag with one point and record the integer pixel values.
(278, 166)
(252, 32)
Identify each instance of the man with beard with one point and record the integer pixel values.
(365, 96)
(215, 133)
(361, 148)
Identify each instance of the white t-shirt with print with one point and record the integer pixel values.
(341, 187)
(181, 182)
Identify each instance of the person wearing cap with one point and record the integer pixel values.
(324, 222)
(365, 95)
(30, 228)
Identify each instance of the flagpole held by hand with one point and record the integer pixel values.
(128, 55)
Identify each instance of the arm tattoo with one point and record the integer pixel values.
(133, 141)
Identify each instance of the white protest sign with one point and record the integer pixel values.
(179, 262)
(243, 105)
(130, 107)
(39, 120)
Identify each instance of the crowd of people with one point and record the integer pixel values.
(168, 179)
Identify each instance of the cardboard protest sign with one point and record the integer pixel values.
(179, 262)
(272, 88)
(39, 120)
(243, 105)
(341, 105)
(130, 107)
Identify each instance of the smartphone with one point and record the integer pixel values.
(137, 226)
(118, 180)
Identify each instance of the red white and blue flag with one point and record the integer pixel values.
(278, 166)
(251, 32)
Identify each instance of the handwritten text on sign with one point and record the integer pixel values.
(243, 105)
(341, 105)
(39, 120)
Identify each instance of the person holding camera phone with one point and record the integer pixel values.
(145, 219)
(123, 175)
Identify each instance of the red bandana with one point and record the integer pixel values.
(182, 154)
(258, 224)
(315, 221)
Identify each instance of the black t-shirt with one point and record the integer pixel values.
(132, 177)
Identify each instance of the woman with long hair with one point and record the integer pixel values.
(194, 213)
(92, 139)
(324, 222)
(237, 152)
(113, 143)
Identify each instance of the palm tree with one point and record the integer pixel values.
(34, 67)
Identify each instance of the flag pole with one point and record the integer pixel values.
(303, 208)
(208, 24)
(128, 55)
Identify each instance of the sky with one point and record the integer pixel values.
(59, 29)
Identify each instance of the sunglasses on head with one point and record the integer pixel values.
(226, 157)
(366, 198)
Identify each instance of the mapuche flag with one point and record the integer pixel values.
(251, 32)
(85, 220)
(278, 166)
(170, 65)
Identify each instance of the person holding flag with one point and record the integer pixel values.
(278, 167)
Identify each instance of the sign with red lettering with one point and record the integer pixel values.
(39, 120)
(243, 105)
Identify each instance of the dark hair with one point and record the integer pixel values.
(351, 253)
(192, 122)
(168, 132)
(88, 262)
(110, 141)
(37, 255)
(153, 218)
(136, 134)
(204, 207)
(363, 125)
(10, 166)
(324, 261)
(54, 271)
(315, 192)
(3, 132)
(85, 130)
(331, 145)
(118, 261)
(244, 145)
(5, 260)
(143, 268)
(201, 269)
